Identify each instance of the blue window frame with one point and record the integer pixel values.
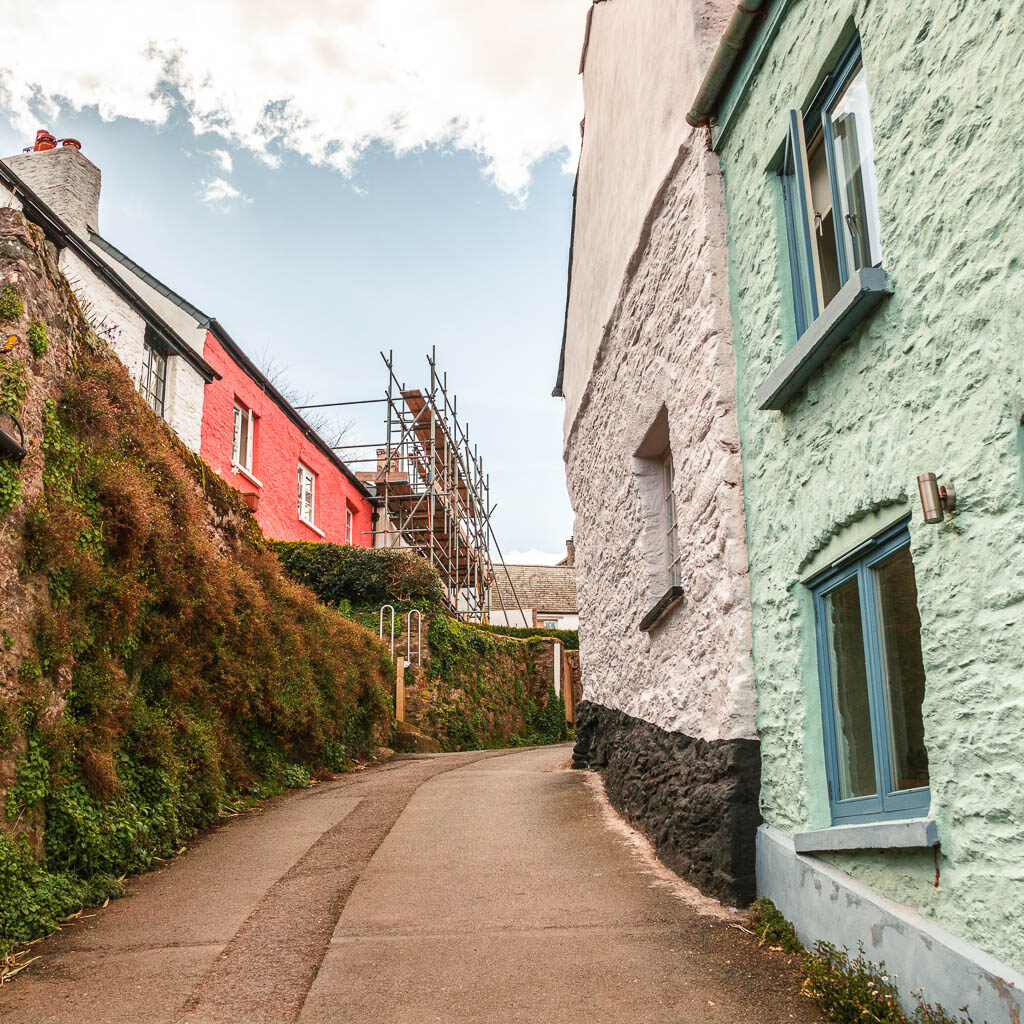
(830, 190)
(872, 682)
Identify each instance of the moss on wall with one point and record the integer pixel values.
(157, 666)
(484, 691)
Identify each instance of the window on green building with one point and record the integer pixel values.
(872, 683)
(830, 191)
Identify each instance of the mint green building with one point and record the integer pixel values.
(873, 157)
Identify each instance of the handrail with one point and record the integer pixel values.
(381, 630)
(419, 637)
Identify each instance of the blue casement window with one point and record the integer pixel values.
(830, 190)
(872, 682)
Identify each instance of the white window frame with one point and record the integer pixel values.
(349, 525)
(673, 552)
(243, 420)
(153, 376)
(306, 487)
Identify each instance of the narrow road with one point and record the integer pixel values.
(481, 887)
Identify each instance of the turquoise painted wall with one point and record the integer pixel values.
(932, 382)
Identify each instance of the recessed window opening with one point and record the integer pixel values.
(242, 438)
(830, 190)
(873, 683)
(306, 493)
(348, 525)
(153, 375)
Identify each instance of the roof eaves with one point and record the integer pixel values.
(235, 351)
(155, 283)
(58, 232)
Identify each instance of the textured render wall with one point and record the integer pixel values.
(108, 314)
(67, 181)
(278, 446)
(175, 317)
(668, 344)
(931, 383)
(640, 77)
(183, 402)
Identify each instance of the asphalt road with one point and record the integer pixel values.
(483, 887)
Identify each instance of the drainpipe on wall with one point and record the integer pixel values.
(729, 48)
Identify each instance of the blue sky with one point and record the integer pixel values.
(319, 263)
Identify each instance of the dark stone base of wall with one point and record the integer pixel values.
(696, 800)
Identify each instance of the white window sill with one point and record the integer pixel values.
(907, 833)
(248, 476)
(314, 528)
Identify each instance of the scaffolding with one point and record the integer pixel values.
(431, 491)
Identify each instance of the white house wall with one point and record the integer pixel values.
(669, 713)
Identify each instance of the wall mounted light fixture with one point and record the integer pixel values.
(12, 437)
(935, 499)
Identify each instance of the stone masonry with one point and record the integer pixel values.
(653, 699)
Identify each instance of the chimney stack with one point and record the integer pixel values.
(570, 552)
(65, 180)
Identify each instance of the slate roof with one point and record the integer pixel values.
(545, 588)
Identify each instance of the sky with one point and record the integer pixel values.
(334, 178)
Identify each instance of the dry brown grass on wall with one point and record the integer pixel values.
(156, 662)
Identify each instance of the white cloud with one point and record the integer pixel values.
(321, 78)
(533, 556)
(223, 160)
(221, 192)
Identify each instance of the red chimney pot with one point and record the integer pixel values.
(44, 141)
(74, 143)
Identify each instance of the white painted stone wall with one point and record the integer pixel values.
(639, 80)
(69, 183)
(66, 180)
(108, 314)
(649, 327)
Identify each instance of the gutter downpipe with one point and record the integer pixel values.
(729, 48)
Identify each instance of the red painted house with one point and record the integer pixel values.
(253, 437)
(257, 441)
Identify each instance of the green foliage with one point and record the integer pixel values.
(854, 990)
(194, 672)
(569, 638)
(771, 928)
(36, 900)
(485, 690)
(13, 385)
(850, 991)
(11, 306)
(361, 578)
(38, 342)
(10, 485)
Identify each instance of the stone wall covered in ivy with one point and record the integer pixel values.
(156, 665)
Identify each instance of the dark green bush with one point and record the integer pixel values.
(358, 578)
(570, 638)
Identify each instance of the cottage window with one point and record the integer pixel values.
(348, 525)
(830, 190)
(242, 440)
(153, 375)
(307, 485)
(872, 683)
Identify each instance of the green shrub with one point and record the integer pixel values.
(771, 928)
(38, 342)
(10, 485)
(13, 385)
(11, 306)
(850, 991)
(569, 638)
(361, 578)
